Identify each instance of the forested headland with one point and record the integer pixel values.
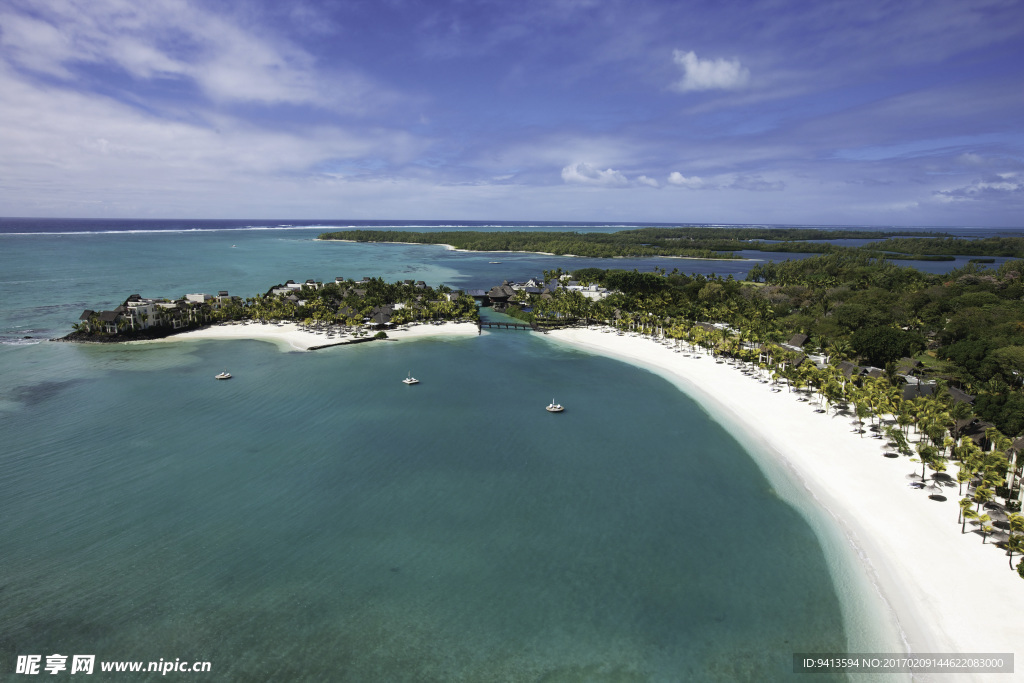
(693, 242)
(965, 328)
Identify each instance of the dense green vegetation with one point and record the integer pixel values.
(336, 303)
(350, 303)
(1012, 247)
(966, 327)
(705, 243)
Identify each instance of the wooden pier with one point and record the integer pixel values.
(492, 324)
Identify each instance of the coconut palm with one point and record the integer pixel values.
(926, 454)
(986, 526)
(965, 509)
(982, 495)
(1016, 522)
(1015, 544)
(963, 475)
(968, 513)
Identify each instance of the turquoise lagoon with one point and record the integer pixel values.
(316, 519)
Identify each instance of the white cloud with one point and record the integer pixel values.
(588, 174)
(644, 180)
(709, 74)
(998, 186)
(693, 182)
(164, 39)
(64, 149)
(751, 182)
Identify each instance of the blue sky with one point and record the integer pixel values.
(908, 112)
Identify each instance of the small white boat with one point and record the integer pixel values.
(410, 380)
(224, 375)
(554, 407)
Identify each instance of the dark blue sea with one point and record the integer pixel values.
(314, 519)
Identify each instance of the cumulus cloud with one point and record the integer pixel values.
(709, 74)
(747, 181)
(693, 182)
(644, 180)
(588, 174)
(1001, 185)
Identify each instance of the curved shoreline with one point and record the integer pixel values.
(945, 591)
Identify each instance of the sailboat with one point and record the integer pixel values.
(410, 380)
(554, 407)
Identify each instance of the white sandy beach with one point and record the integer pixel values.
(948, 592)
(290, 337)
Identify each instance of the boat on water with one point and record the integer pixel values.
(223, 375)
(554, 407)
(410, 380)
(494, 262)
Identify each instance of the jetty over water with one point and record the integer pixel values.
(494, 324)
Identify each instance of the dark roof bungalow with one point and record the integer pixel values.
(960, 396)
(849, 369)
(911, 391)
(905, 366)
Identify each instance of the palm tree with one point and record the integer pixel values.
(838, 350)
(862, 411)
(986, 527)
(1016, 521)
(968, 514)
(937, 466)
(982, 495)
(927, 454)
(965, 508)
(1015, 544)
(963, 475)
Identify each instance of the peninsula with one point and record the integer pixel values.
(698, 242)
(344, 307)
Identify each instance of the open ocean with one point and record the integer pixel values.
(314, 519)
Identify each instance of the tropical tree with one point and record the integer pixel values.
(1015, 544)
(926, 454)
(968, 513)
(963, 475)
(965, 508)
(986, 526)
(982, 495)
